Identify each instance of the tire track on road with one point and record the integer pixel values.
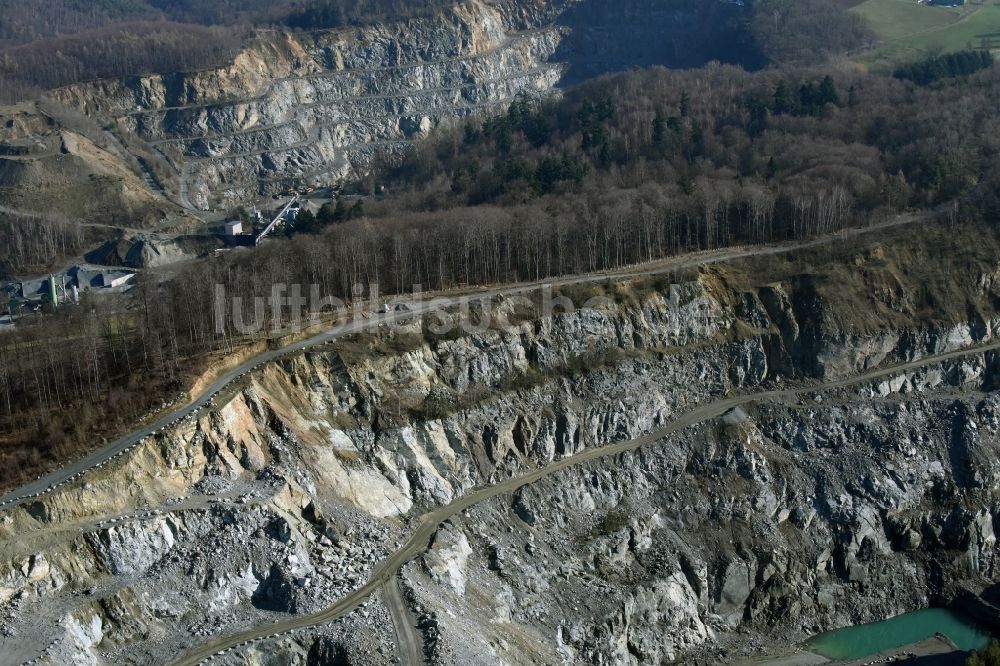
(409, 643)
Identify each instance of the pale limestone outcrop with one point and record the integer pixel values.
(447, 557)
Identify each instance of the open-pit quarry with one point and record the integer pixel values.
(706, 464)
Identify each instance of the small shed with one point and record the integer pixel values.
(234, 228)
(114, 279)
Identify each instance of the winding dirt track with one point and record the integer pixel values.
(384, 574)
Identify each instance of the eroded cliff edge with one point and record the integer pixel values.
(781, 519)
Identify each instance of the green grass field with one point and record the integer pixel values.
(910, 31)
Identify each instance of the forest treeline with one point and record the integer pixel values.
(114, 52)
(322, 14)
(625, 169)
(946, 66)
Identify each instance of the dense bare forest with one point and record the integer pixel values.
(807, 31)
(804, 136)
(626, 169)
(31, 243)
(338, 13)
(24, 22)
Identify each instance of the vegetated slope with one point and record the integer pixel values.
(50, 43)
(326, 14)
(57, 163)
(810, 146)
(21, 23)
(280, 499)
(807, 31)
(612, 37)
(131, 49)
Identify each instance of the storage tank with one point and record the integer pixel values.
(53, 294)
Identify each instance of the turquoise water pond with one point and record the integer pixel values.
(867, 639)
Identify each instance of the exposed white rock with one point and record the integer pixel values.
(447, 558)
(134, 546)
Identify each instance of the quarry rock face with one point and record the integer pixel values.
(787, 515)
(317, 107)
(313, 108)
(320, 108)
(779, 519)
